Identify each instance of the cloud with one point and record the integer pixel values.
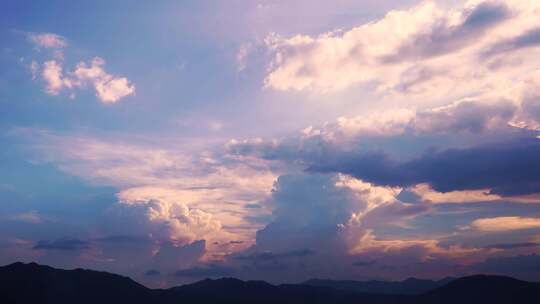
(443, 36)
(34, 69)
(505, 168)
(529, 39)
(470, 145)
(505, 223)
(271, 256)
(364, 263)
(425, 51)
(172, 255)
(319, 218)
(483, 119)
(62, 244)
(242, 54)
(174, 220)
(152, 272)
(32, 217)
(48, 40)
(424, 192)
(514, 245)
(419, 250)
(53, 75)
(109, 88)
(174, 194)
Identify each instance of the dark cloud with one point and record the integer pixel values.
(119, 239)
(271, 256)
(528, 39)
(507, 168)
(152, 272)
(428, 128)
(444, 38)
(364, 263)
(171, 255)
(409, 197)
(62, 244)
(211, 270)
(513, 245)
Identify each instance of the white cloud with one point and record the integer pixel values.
(426, 193)
(423, 249)
(175, 221)
(424, 51)
(53, 76)
(181, 195)
(34, 69)
(109, 88)
(32, 217)
(48, 40)
(506, 223)
(242, 54)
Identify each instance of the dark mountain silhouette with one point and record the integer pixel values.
(33, 283)
(484, 289)
(410, 286)
(230, 290)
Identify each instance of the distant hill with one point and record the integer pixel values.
(33, 283)
(485, 289)
(410, 286)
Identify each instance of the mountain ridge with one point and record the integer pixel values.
(31, 283)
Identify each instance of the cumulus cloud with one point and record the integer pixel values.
(506, 223)
(423, 51)
(53, 75)
(174, 220)
(174, 194)
(109, 88)
(364, 132)
(48, 40)
(472, 145)
(172, 256)
(339, 217)
(451, 33)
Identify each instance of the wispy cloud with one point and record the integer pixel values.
(506, 223)
(48, 40)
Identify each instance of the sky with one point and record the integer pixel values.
(274, 140)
